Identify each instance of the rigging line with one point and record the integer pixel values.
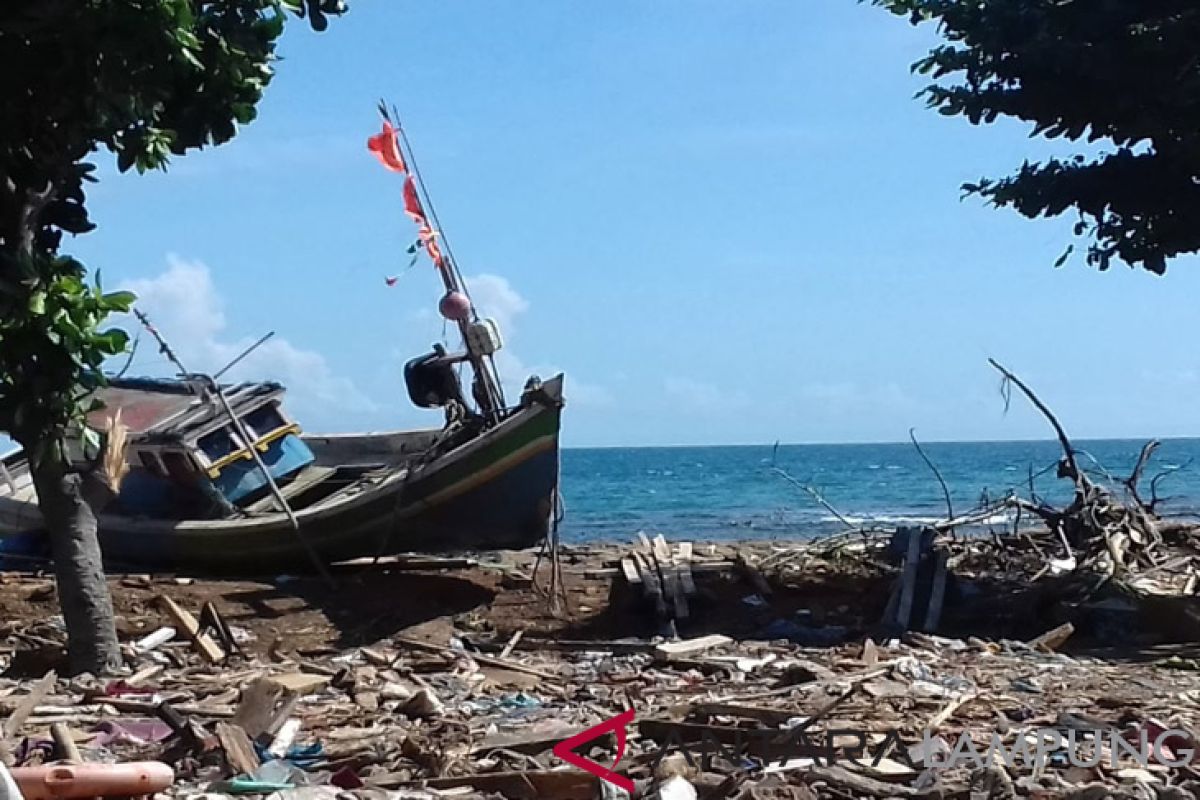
(491, 375)
(132, 352)
(433, 215)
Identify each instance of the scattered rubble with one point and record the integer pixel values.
(789, 680)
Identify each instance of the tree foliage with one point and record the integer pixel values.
(1121, 75)
(143, 79)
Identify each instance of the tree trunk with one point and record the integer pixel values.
(78, 568)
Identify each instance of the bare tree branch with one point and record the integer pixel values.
(912, 434)
(1068, 448)
(815, 495)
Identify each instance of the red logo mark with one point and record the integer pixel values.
(566, 750)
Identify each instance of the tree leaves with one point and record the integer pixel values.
(1122, 74)
(144, 81)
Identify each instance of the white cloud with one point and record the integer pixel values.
(702, 396)
(495, 297)
(186, 308)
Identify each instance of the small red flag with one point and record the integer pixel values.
(429, 239)
(387, 149)
(412, 203)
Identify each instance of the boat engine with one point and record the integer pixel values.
(431, 380)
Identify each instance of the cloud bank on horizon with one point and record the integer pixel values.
(186, 306)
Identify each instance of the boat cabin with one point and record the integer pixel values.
(186, 455)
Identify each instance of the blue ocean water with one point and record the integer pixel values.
(733, 493)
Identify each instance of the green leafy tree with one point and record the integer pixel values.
(1121, 75)
(145, 80)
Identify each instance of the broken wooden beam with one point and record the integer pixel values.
(1052, 639)
(184, 620)
(689, 647)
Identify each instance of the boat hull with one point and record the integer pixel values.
(496, 491)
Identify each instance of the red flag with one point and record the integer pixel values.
(412, 203)
(429, 238)
(387, 149)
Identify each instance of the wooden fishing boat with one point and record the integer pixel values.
(352, 495)
(222, 478)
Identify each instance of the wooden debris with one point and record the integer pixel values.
(512, 643)
(301, 683)
(1053, 639)
(239, 750)
(499, 663)
(264, 706)
(37, 693)
(524, 785)
(64, 743)
(629, 570)
(908, 580)
(937, 595)
(753, 575)
(689, 647)
(188, 624)
(768, 716)
(950, 709)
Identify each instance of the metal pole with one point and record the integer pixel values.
(455, 282)
(244, 353)
(242, 432)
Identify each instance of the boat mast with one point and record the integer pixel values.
(483, 364)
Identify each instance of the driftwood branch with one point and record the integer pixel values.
(1131, 483)
(815, 495)
(1072, 465)
(912, 434)
(1154, 498)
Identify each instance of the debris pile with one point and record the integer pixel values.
(786, 700)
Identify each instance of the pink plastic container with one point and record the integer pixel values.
(54, 781)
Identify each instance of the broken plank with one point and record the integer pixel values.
(1053, 639)
(937, 595)
(490, 661)
(521, 785)
(239, 750)
(259, 711)
(184, 620)
(630, 571)
(947, 711)
(37, 694)
(689, 647)
(683, 557)
(301, 683)
(769, 716)
(766, 743)
(64, 743)
(661, 550)
(512, 643)
(532, 742)
(652, 583)
(908, 580)
(861, 785)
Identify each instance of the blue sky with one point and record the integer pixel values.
(726, 221)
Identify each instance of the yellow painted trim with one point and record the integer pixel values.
(541, 444)
(262, 444)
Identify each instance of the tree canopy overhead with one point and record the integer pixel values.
(145, 80)
(1121, 73)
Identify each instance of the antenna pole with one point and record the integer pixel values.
(484, 366)
(163, 347)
